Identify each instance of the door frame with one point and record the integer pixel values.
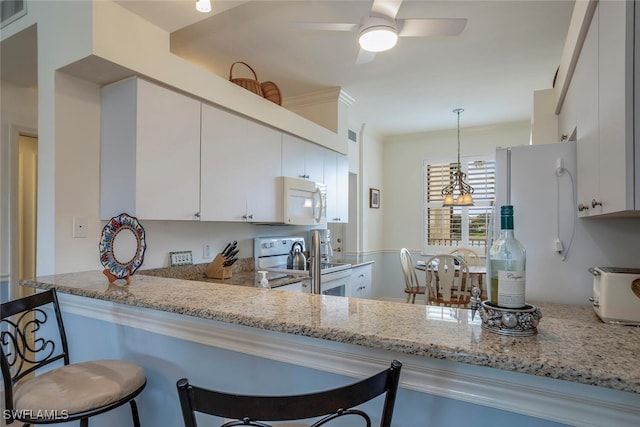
(13, 149)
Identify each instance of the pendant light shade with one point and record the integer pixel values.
(458, 181)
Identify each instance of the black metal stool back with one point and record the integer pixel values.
(256, 410)
(28, 342)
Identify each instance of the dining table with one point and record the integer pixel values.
(475, 271)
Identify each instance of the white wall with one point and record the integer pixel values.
(402, 198)
(403, 160)
(371, 173)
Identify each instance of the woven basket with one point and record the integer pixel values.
(250, 84)
(271, 92)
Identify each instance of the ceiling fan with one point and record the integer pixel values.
(380, 30)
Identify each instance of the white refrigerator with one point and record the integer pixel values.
(540, 182)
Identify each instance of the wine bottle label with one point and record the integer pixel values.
(511, 286)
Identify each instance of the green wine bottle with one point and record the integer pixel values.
(507, 262)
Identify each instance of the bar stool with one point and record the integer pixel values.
(254, 410)
(70, 392)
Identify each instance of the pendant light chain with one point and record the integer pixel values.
(465, 197)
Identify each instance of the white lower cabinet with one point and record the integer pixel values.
(149, 152)
(361, 281)
(241, 165)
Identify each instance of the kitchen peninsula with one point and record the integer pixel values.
(576, 371)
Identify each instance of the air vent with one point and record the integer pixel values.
(352, 135)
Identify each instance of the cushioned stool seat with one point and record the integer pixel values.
(64, 391)
(80, 387)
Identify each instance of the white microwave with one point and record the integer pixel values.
(305, 202)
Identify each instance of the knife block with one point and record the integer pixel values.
(217, 270)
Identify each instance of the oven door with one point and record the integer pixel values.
(337, 283)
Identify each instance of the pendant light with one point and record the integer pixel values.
(458, 181)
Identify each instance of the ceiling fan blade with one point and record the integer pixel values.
(386, 7)
(430, 27)
(365, 56)
(324, 26)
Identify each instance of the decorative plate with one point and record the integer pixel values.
(127, 264)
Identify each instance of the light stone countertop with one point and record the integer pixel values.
(572, 344)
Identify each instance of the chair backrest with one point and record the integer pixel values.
(470, 256)
(329, 404)
(408, 269)
(447, 279)
(22, 352)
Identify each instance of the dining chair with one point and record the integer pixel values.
(33, 337)
(470, 256)
(328, 405)
(411, 284)
(447, 281)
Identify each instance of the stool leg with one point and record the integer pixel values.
(134, 413)
(84, 422)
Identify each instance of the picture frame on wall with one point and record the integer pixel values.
(374, 198)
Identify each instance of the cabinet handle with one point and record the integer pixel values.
(303, 176)
(362, 275)
(250, 216)
(197, 214)
(338, 250)
(595, 203)
(582, 207)
(335, 219)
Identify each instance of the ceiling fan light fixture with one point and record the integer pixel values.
(378, 35)
(203, 6)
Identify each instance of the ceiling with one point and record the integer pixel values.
(508, 49)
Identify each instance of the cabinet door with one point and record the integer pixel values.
(336, 177)
(302, 159)
(361, 282)
(167, 155)
(293, 153)
(224, 155)
(150, 152)
(261, 170)
(586, 84)
(616, 107)
(314, 161)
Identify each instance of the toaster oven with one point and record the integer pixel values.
(616, 294)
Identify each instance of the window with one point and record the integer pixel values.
(447, 228)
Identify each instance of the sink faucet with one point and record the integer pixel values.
(314, 255)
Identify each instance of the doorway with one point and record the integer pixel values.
(27, 208)
(21, 210)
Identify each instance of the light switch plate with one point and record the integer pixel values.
(180, 258)
(80, 225)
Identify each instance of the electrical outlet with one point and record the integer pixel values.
(206, 251)
(80, 226)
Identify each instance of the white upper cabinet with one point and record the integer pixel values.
(585, 83)
(302, 159)
(604, 84)
(336, 175)
(150, 152)
(240, 169)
